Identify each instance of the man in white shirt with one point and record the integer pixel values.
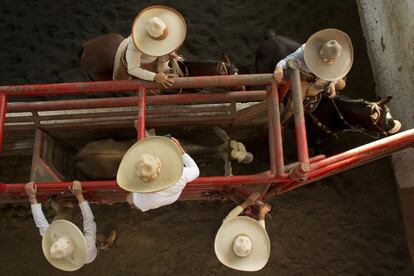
(326, 58)
(251, 200)
(153, 171)
(89, 225)
(241, 242)
(157, 32)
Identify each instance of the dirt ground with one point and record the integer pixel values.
(348, 224)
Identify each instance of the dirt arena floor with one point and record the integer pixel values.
(348, 224)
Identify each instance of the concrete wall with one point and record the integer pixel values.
(388, 27)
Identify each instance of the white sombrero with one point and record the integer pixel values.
(242, 243)
(150, 165)
(64, 245)
(329, 54)
(158, 30)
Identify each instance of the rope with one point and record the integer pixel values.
(351, 127)
(176, 69)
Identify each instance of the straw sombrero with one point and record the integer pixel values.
(158, 30)
(329, 54)
(152, 164)
(242, 243)
(64, 245)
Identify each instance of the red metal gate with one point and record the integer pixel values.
(279, 179)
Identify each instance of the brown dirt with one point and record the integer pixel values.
(349, 224)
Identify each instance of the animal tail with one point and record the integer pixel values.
(269, 33)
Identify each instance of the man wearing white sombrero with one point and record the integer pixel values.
(157, 32)
(327, 57)
(241, 242)
(153, 171)
(63, 243)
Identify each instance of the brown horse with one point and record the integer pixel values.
(98, 55)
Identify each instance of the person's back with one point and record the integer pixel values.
(156, 171)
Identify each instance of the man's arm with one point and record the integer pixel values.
(38, 216)
(133, 58)
(239, 209)
(264, 209)
(298, 54)
(191, 170)
(89, 225)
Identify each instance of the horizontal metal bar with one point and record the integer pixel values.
(195, 98)
(353, 158)
(202, 182)
(395, 141)
(121, 113)
(132, 85)
(3, 108)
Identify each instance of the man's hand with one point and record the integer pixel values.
(175, 56)
(331, 89)
(31, 191)
(178, 145)
(76, 189)
(250, 200)
(278, 74)
(264, 209)
(163, 79)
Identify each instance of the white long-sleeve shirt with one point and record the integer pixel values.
(145, 202)
(135, 58)
(299, 56)
(237, 211)
(89, 227)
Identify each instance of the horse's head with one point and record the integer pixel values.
(381, 117)
(226, 67)
(343, 114)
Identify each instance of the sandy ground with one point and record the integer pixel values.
(349, 224)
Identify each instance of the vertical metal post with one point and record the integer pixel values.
(275, 131)
(141, 113)
(3, 108)
(300, 128)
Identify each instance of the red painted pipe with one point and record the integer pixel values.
(275, 132)
(300, 129)
(197, 111)
(394, 141)
(195, 98)
(271, 132)
(126, 123)
(354, 157)
(205, 182)
(284, 88)
(316, 158)
(141, 114)
(132, 85)
(3, 109)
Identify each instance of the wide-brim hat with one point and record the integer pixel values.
(60, 228)
(173, 20)
(165, 150)
(242, 225)
(315, 62)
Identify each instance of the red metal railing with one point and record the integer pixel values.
(283, 178)
(3, 108)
